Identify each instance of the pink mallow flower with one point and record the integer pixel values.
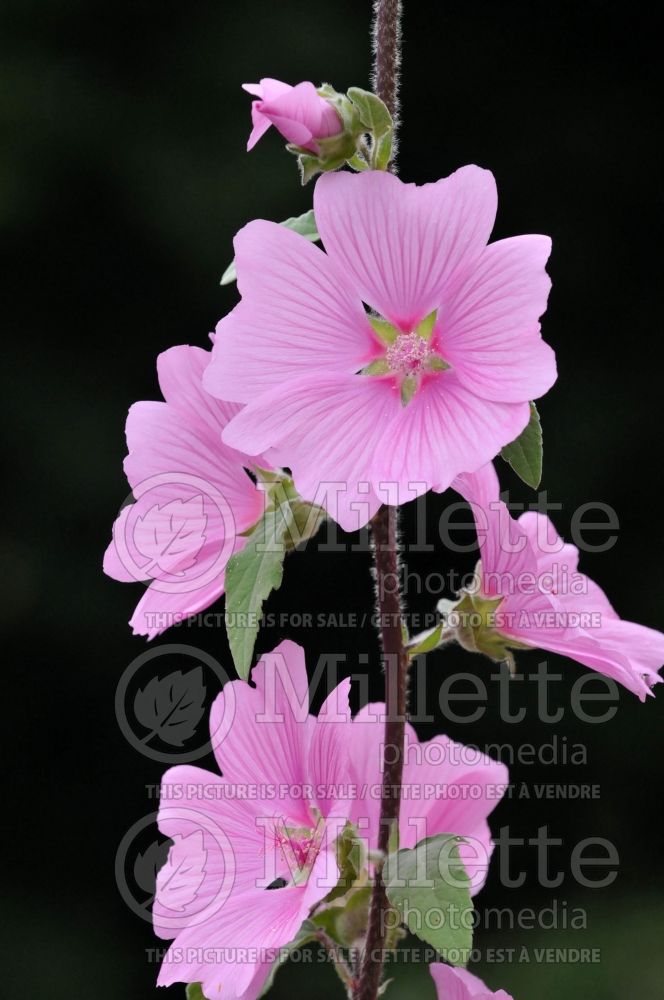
(459, 984)
(274, 817)
(531, 594)
(193, 497)
(299, 113)
(254, 850)
(380, 407)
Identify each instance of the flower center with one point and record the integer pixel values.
(298, 849)
(408, 354)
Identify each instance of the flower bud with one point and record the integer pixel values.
(299, 113)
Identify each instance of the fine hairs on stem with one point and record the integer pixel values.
(384, 528)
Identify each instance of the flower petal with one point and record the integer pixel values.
(459, 984)
(298, 315)
(261, 736)
(488, 328)
(629, 653)
(446, 430)
(401, 246)
(328, 430)
(504, 544)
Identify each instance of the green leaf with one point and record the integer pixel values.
(429, 887)
(525, 454)
(251, 575)
(372, 111)
(308, 932)
(304, 224)
(194, 992)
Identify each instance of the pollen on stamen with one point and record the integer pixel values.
(408, 354)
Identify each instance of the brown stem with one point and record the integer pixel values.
(387, 58)
(387, 52)
(388, 601)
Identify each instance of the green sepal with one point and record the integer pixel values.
(437, 364)
(372, 111)
(425, 328)
(526, 452)
(408, 389)
(358, 163)
(377, 367)
(304, 224)
(387, 333)
(436, 862)
(426, 641)
(381, 152)
(194, 991)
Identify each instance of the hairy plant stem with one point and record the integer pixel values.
(395, 657)
(384, 529)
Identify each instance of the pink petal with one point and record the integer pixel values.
(488, 328)
(366, 768)
(459, 798)
(260, 125)
(504, 544)
(329, 752)
(297, 316)
(333, 426)
(208, 953)
(268, 89)
(160, 609)
(446, 430)
(630, 654)
(459, 984)
(188, 454)
(123, 560)
(301, 115)
(193, 800)
(262, 735)
(403, 247)
(553, 554)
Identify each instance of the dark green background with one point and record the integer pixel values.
(123, 177)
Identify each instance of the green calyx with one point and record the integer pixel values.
(407, 356)
(364, 141)
(473, 623)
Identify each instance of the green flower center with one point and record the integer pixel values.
(408, 356)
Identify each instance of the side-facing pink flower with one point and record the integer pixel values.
(459, 984)
(264, 851)
(538, 598)
(193, 497)
(299, 113)
(447, 788)
(384, 406)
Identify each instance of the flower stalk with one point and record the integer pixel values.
(384, 529)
